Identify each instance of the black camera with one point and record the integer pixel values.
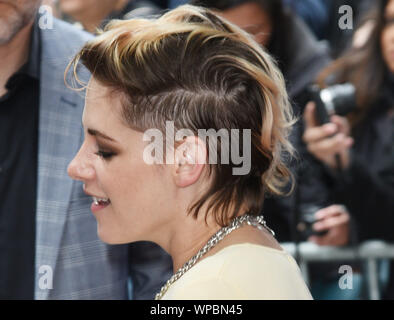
(338, 99)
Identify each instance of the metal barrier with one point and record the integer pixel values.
(370, 251)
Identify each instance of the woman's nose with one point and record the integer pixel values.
(80, 168)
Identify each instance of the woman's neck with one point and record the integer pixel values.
(191, 237)
(188, 239)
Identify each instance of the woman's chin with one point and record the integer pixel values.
(108, 237)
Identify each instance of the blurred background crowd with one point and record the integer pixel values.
(337, 57)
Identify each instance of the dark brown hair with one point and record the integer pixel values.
(363, 66)
(194, 69)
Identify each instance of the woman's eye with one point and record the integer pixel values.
(105, 154)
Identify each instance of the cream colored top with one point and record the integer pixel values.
(242, 271)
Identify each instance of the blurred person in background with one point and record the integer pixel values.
(360, 187)
(93, 14)
(49, 247)
(322, 17)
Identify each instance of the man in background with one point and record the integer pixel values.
(49, 247)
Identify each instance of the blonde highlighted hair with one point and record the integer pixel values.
(200, 71)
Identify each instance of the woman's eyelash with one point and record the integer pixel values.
(105, 154)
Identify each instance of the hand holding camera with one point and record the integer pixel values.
(335, 220)
(327, 140)
(327, 131)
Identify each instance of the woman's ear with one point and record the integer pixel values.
(190, 160)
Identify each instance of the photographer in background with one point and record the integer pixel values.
(45, 218)
(363, 178)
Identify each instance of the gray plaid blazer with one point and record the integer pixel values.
(71, 262)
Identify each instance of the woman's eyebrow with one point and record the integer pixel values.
(97, 133)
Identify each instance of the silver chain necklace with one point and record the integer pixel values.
(255, 221)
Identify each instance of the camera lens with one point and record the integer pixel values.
(339, 99)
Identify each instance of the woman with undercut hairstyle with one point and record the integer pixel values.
(185, 73)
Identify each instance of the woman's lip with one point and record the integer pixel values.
(91, 194)
(97, 207)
